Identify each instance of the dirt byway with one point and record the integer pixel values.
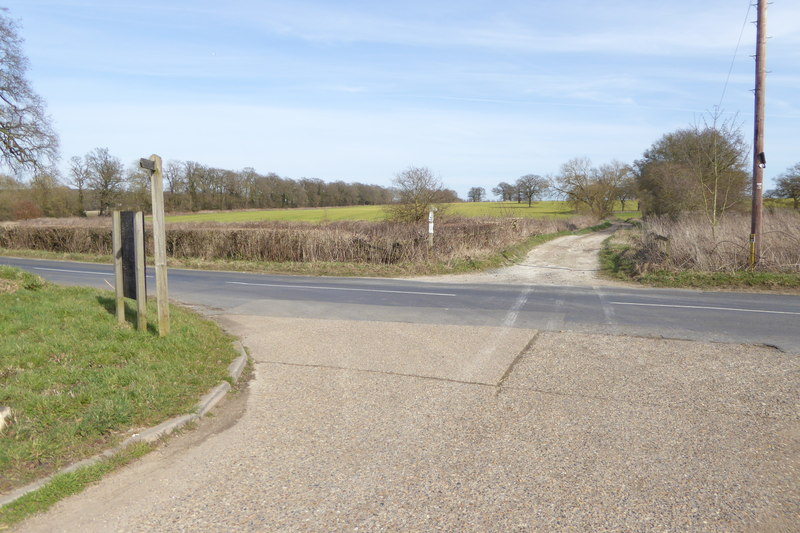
(570, 260)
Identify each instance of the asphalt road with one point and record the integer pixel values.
(391, 405)
(750, 318)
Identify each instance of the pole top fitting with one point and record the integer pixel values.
(147, 164)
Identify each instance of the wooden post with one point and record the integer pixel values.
(160, 245)
(141, 289)
(759, 160)
(116, 237)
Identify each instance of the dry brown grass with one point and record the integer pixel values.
(347, 242)
(691, 244)
(8, 286)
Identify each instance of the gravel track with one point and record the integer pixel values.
(571, 260)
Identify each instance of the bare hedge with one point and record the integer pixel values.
(688, 243)
(358, 242)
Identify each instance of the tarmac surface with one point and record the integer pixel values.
(354, 425)
(375, 426)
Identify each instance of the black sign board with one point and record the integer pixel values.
(129, 254)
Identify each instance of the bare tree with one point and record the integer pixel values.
(614, 181)
(476, 194)
(27, 141)
(417, 189)
(627, 189)
(589, 188)
(531, 187)
(504, 191)
(138, 196)
(49, 195)
(173, 173)
(79, 173)
(788, 185)
(193, 177)
(105, 178)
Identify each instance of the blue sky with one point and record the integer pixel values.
(479, 92)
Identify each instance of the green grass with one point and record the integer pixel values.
(77, 381)
(545, 209)
(311, 215)
(723, 280)
(63, 485)
(615, 261)
(778, 203)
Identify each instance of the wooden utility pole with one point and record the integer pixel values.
(759, 160)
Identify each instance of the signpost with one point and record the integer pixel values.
(129, 264)
(153, 164)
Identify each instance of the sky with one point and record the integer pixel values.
(478, 91)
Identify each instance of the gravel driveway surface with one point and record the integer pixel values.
(570, 260)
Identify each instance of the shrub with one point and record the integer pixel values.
(687, 243)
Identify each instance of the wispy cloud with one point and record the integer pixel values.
(554, 27)
(358, 89)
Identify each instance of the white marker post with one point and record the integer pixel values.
(430, 227)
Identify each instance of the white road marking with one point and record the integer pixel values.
(489, 351)
(608, 311)
(711, 308)
(72, 271)
(513, 313)
(106, 274)
(337, 288)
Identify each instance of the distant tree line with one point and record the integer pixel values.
(98, 181)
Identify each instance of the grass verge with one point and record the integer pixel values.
(67, 484)
(78, 383)
(617, 262)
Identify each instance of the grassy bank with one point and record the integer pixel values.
(686, 253)
(78, 382)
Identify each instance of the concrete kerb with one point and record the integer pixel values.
(150, 435)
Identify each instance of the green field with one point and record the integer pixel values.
(545, 209)
(785, 203)
(313, 215)
(553, 209)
